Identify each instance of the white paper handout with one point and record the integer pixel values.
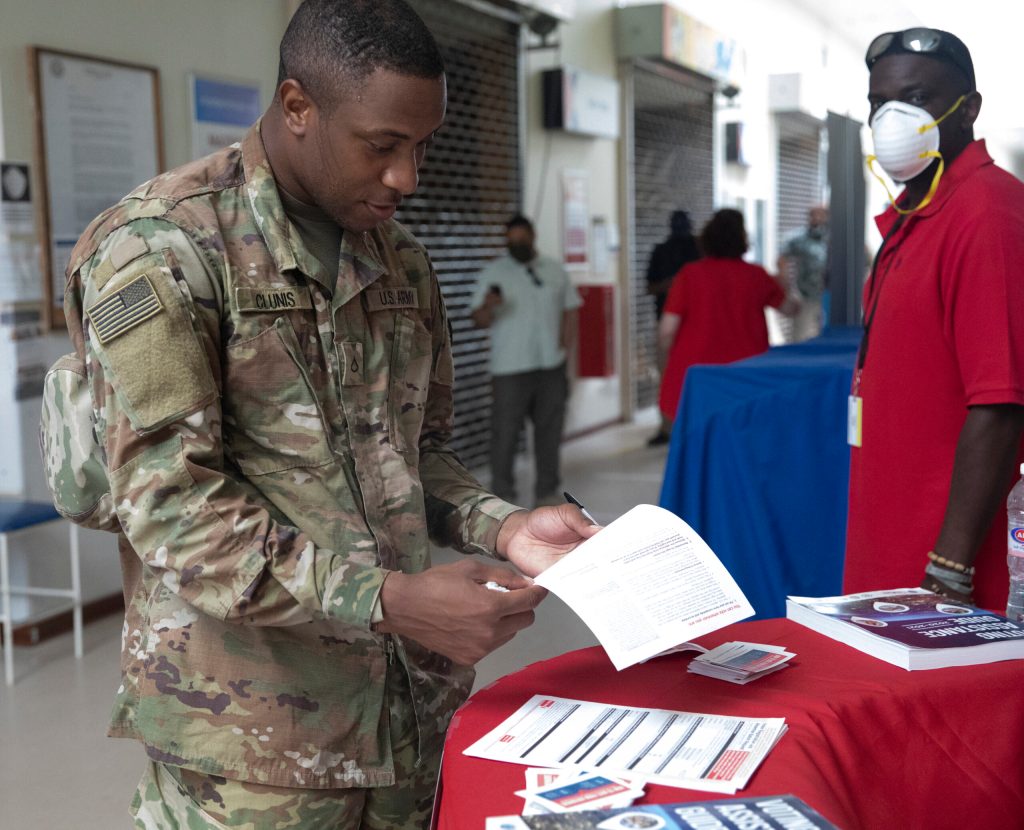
(645, 584)
(680, 749)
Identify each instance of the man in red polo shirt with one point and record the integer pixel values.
(937, 408)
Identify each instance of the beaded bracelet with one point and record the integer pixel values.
(949, 563)
(950, 579)
(947, 574)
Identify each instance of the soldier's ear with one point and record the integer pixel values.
(298, 108)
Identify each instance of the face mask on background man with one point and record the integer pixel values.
(523, 253)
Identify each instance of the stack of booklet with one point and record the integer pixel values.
(740, 662)
(912, 628)
(767, 812)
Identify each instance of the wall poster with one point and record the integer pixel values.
(575, 220)
(98, 136)
(222, 112)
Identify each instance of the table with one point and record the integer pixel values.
(17, 516)
(758, 465)
(869, 745)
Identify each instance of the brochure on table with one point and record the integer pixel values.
(679, 749)
(645, 584)
(771, 812)
(912, 628)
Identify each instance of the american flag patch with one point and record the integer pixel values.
(125, 309)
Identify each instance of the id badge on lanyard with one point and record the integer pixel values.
(854, 420)
(855, 414)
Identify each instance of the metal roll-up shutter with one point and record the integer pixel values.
(672, 168)
(799, 179)
(469, 187)
(798, 184)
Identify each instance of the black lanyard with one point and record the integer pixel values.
(875, 292)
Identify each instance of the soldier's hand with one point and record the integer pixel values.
(534, 541)
(448, 610)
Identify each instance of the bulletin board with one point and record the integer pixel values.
(98, 136)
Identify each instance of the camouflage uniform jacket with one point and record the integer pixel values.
(274, 439)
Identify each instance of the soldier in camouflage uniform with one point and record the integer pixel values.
(266, 391)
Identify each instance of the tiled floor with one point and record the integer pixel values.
(57, 768)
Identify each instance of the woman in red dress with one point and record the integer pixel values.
(715, 308)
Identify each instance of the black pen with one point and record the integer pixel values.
(572, 500)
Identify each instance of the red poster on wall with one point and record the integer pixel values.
(575, 219)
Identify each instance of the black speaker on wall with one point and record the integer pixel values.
(734, 142)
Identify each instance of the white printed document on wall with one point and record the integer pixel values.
(646, 584)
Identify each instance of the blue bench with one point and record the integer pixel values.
(16, 517)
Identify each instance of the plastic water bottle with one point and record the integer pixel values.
(1015, 550)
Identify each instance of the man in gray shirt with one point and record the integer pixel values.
(529, 305)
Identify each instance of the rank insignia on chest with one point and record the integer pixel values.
(378, 299)
(124, 309)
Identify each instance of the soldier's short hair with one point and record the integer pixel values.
(330, 45)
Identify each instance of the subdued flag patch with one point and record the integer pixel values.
(124, 310)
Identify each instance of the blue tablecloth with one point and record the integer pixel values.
(759, 466)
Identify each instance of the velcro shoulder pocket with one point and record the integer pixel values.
(144, 336)
(72, 456)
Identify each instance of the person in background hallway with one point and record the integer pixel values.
(529, 305)
(667, 259)
(940, 374)
(805, 256)
(715, 308)
(268, 369)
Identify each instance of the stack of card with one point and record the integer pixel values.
(740, 662)
(567, 791)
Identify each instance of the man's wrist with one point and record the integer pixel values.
(509, 527)
(949, 577)
(378, 613)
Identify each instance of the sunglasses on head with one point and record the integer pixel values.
(922, 41)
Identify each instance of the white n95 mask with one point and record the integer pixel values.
(906, 139)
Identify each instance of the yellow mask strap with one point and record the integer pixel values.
(944, 116)
(931, 190)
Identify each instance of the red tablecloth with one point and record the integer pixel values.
(869, 745)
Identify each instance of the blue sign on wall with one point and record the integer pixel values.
(223, 102)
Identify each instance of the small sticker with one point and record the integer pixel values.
(124, 309)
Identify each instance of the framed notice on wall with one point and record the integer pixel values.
(98, 136)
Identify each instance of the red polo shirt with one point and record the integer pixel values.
(721, 302)
(948, 333)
